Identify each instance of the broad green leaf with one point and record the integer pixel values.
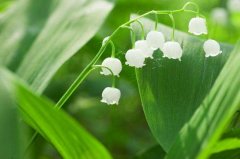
(37, 37)
(69, 138)
(154, 152)
(172, 90)
(202, 132)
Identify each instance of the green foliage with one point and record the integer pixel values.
(36, 50)
(154, 152)
(69, 138)
(41, 47)
(227, 144)
(172, 90)
(211, 118)
(38, 37)
(10, 135)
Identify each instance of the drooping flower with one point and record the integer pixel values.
(111, 95)
(233, 5)
(143, 45)
(135, 58)
(172, 50)
(211, 48)
(197, 26)
(155, 40)
(219, 16)
(113, 64)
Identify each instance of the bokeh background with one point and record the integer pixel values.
(123, 128)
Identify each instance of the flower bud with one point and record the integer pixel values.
(234, 5)
(219, 16)
(135, 58)
(172, 50)
(143, 45)
(113, 64)
(111, 95)
(197, 26)
(105, 40)
(155, 40)
(211, 48)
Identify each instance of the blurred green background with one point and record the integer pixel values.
(123, 128)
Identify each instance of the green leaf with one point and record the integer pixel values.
(154, 152)
(229, 154)
(227, 144)
(10, 133)
(201, 133)
(172, 90)
(69, 138)
(37, 37)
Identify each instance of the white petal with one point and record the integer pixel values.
(111, 95)
(211, 48)
(219, 16)
(197, 26)
(172, 50)
(155, 40)
(234, 5)
(143, 45)
(113, 64)
(135, 58)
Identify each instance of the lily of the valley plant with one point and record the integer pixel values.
(141, 50)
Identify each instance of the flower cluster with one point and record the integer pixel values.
(142, 49)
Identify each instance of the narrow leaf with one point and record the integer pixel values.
(69, 138)
(227, 144)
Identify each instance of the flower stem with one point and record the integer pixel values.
(156, 22)
(113, 49)
(113, 76)
(191, 3)
(133, 35)
(173, 25)
(142, 28)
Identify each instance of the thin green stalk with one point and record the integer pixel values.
(156, 22)
(173, 25)
(142, 28)
(113, 49)
(133, 35)
(191, 3)
(113, 76)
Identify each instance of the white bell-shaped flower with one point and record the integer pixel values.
(219, 16)
(111, 95)
(211, 48)
(155, 40)
(197, 26)
(172, 50)
(135, 58)
(143, 45)
(113, 64)
(234, 5)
